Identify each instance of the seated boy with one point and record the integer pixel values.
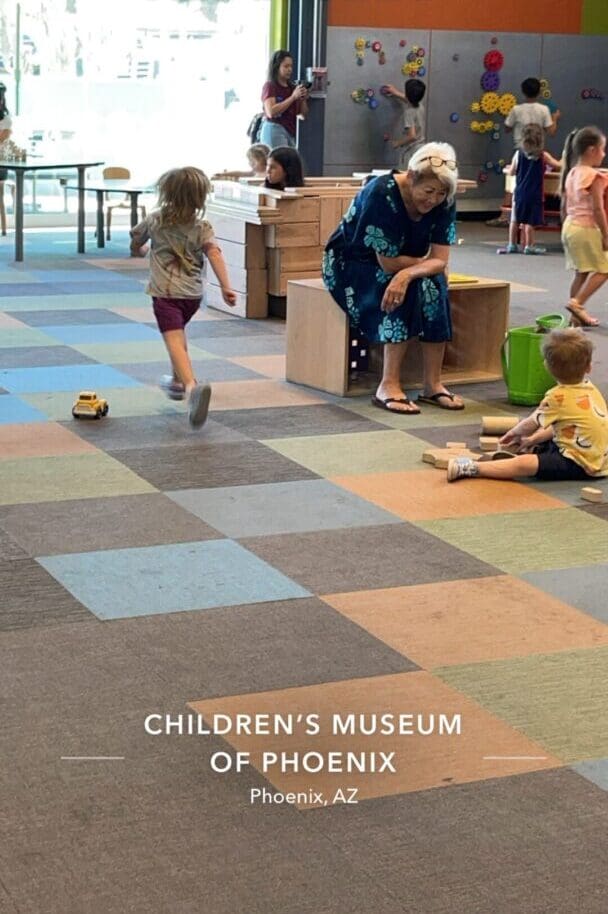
(566, 437)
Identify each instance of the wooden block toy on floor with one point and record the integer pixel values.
(451, 444)
(439, 457)
(497, 425)
(488, 443)
(591, 494)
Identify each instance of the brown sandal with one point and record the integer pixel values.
(579, 316)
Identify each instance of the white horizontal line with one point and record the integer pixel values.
(91, 758)
(524, 758)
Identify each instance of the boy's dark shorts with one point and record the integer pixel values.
(174, 313)
(552, 465)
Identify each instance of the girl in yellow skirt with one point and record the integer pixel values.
(585, 226)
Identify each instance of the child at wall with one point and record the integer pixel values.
(584, 219)
(181, 240)
(566, 437)
(413, 119)
(257, 156)
(528, 166)
(530, 111)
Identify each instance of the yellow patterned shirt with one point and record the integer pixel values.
(579, 417)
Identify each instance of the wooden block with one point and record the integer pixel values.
(249, 281)
(244, 256)
(280, 288)
(316, 338)
(497, 425)
(591, 494)
(253, 305)
(480, 318)
(488, 443)
(296, 209)
(292, 234)
(439, 457)
(452, 444)
(290, 260)
(331, 213)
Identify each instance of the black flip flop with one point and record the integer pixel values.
(435, 400)
(383, 404)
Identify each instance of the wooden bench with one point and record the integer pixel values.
(319, 339)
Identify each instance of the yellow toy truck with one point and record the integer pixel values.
(89, 406)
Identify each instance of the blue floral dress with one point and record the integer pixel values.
(378, 223)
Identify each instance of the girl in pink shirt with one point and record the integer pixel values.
(584, 222)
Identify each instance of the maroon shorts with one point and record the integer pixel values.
(174, 313)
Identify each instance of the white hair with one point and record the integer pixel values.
(420, 165)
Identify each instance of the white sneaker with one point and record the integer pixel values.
(199, 404)
(459, 467)
(175, 390)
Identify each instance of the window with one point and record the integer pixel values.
(148, 84)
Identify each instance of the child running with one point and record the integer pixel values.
(528, 166)
(181, 240)
(584, 221)
(566, 437)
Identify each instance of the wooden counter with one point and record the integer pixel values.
(269, 237)
(319, 339)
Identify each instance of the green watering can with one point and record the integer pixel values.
(523, 366)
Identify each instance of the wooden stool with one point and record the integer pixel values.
(318, 339)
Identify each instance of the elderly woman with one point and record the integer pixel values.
(385, 265)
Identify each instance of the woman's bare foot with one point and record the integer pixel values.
(394, 400)
(442, 397)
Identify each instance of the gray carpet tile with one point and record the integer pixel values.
(31, 597)
(365, 558)
(600, 511)
(42, 357)
(255, 648)
(57, 528)
(204, 370)
(212, 465)
(71, 664)
(292, 422)
(7, 904)
(76, 316)
(582, 587)
(201, 330)
(130, 849)
(10, 550)
(533, 843)
(227, 346)
(116, 434)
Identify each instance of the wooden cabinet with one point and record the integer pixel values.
(271, 237)
(319, 340)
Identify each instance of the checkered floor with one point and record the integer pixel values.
(294, 556)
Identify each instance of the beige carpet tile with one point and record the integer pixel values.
(469, 621)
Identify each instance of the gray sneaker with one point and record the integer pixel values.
(199, 404)
(175, 390)
(459, 467)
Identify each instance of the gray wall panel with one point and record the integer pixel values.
(453, 85)
(354, 133)
(573, 63)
